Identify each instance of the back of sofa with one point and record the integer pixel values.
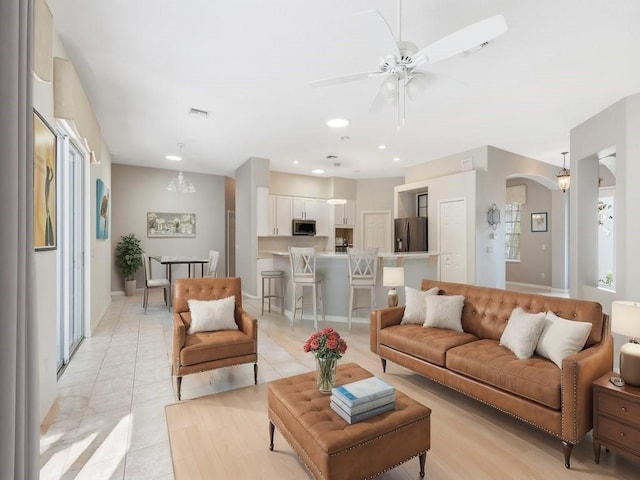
(487, 310)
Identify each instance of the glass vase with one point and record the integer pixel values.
(326, 370)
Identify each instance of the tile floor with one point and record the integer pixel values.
(108, 421)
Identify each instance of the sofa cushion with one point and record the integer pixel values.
(415, 308)
(561, 338)
(522, 332)
(536, 378)
(444, 311)
(428, 343)
(208, 346)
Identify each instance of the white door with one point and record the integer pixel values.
(453, 240)
(376, 230)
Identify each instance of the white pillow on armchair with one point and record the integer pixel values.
(209, 315)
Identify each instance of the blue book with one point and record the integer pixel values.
(363, 407)
(363, 415)
(362, 391)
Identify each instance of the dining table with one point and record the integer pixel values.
(170, 261)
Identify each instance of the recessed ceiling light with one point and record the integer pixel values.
(175, 158)
(317, 171)
(396, 159)
(296, 162)
(338, 122)
(382, 146)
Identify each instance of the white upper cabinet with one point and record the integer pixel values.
(274, 214)
(345, 214)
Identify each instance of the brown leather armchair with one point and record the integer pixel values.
(209, 350)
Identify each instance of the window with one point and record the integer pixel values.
(512, 231)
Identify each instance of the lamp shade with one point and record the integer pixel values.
(393, 276)
(625, 318)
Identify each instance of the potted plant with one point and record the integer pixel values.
(129, 259)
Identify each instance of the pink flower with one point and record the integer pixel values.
(326, 343)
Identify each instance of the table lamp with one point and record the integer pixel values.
(392, 277)
(625, 320)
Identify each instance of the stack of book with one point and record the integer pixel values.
(363, 399)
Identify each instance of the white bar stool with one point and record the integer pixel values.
(269, 276)
(303, 274)
(363, 268)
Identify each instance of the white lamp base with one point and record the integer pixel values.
(392, 298)
(630, 363)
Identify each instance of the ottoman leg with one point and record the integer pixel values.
(422, 457)
(272, 428)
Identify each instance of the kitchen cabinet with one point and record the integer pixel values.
(274, 214)
(313, 209)
(345, 214)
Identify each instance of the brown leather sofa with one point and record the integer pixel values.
(558, 401)
(209, 350)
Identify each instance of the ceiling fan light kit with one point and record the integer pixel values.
(399, 69)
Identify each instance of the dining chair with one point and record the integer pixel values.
(303, 274)
(217, 341)
(150, 282)
(212, 266)
(363, 271)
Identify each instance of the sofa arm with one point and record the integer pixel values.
(179, 334)
(382, 318)
(578, 373)
(247, 323)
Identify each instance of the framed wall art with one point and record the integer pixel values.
(171, 225)
(102, 210)
(45, 181)
(539, 222)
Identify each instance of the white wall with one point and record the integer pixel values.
(97, 261)
(138, 190)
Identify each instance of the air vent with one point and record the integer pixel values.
(198, 112)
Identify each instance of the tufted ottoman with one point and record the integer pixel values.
(330, 447)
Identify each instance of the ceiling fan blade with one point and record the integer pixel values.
(464, 39)
(344, 78)
(376, 16)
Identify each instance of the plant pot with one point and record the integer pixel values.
(130, 287)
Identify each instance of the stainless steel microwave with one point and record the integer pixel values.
(303, 227)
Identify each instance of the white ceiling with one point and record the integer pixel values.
(146, 63)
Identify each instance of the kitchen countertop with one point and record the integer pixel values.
(263, 253)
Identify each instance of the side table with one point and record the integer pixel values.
(616, 418)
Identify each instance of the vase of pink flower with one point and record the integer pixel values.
(328, 347)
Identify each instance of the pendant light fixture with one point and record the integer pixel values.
(180, 183)
(564, 178)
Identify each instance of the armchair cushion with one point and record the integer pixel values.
(209, 315)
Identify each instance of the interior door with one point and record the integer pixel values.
(452, 221)
(376, 230)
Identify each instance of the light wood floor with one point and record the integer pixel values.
(469, 440)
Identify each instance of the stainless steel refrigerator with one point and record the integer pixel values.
(410, 234)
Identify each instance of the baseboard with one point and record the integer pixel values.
(529, 285)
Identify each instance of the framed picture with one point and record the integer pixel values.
(102, 210)
(45, 181)
(171, 225)
(539, 222)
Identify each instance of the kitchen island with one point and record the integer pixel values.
(334, 268)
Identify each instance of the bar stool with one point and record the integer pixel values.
(269, 276)
(363, 268)
(303, 274)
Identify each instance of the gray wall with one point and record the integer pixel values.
(138, 190)
(374, 194)
(535, 247)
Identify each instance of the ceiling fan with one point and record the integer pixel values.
(400, 67)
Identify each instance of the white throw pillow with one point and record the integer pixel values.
(522, 332)
(444, 311)
(561, 338)
(414, 310)
(208, 315)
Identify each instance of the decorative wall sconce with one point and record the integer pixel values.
(564, 178)
(493, 216)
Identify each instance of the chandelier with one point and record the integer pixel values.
(180, 183)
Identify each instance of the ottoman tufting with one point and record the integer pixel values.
(330, 447)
